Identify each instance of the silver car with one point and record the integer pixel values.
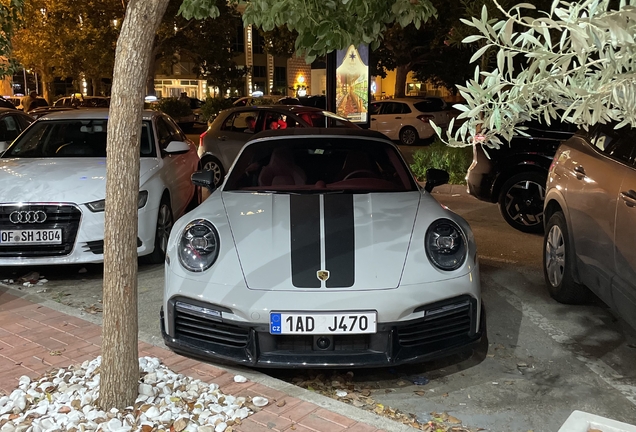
(590, 209)
(232, 128)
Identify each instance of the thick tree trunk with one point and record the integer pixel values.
(120, 369)
(96, 85)
(47, 82)
(401, 72)
(152, 68)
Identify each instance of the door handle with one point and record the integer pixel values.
(373, 119)
(222, 138)
(579, 172)
(629, 197)
(398, 118)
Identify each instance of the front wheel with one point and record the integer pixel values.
(165, 221)
(521, 201)
(210, 163)
(559, 263)
(408, 136)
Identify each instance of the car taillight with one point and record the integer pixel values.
(425, 118)
(201, 138)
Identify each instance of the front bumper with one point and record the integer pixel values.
(447, 327)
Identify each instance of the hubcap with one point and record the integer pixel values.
(555, 256)
(524, 203)
(216, 169)
(408, 137)
(164, 226)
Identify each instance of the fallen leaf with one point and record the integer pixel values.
(453, 420)
(281, 403)
(180, 425)
(56, 352)
(420, 393)
(146, 428)
(64, 409)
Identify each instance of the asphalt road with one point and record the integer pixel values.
(541, 360)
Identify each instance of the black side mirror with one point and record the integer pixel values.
(435, 177)
(204, 179)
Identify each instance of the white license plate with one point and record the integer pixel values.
(31, 237)
(321, 323)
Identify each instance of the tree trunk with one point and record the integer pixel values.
(96, 84)
(152, 68)
(47, 81)
(401, 72)
(120, 367)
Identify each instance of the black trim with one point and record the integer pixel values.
(305, 240)
(339, 240)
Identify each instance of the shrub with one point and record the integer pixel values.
(173, 107)
(212, 107)
(455, 160)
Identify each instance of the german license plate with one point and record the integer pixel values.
(322, 323)
(31, 237)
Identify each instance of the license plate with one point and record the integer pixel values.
(31, 237)
(322, 323)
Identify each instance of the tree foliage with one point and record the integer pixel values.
(10, 13)
(573, 62)
(324, 26)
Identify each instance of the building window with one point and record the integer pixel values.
(280, 79)
(258, 43)
(259, 71)
(238, 44)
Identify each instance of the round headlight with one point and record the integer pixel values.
(198, 246)
(445, 245)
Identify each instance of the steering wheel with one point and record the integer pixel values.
(360, 171)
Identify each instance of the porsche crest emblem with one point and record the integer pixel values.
(323, 275)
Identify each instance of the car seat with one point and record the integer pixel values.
(281, 170)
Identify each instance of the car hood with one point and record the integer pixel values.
(77, 180)
(291, 241)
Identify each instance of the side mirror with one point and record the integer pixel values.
(435, 177)
(177, 147)
(204, 178)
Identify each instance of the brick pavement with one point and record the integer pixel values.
(35, 338)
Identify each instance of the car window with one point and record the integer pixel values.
(319, 165)
(375, 108)
(324, 119)
(618, 144)
(175, 131)
(71, 138)
(163, 133)
(9, 128)
(237, 122)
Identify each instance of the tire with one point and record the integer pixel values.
(210, 163)
(559, 263)
(408, 136)
(521, 201)
(165, 221)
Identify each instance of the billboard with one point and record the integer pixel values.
(352, 83)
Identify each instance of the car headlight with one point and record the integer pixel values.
(198, 246)
(446, 245)
(98, 206)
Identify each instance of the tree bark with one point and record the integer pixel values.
(120, 368)
(401, 72)
(152, 67)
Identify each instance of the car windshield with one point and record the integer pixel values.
(320, 165)
(70, 138)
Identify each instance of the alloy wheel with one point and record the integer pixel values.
(164, 226)
(524, 203)
(211, 165)
(408, 136)
(555, 256)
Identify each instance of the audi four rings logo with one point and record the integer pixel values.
(31, 216)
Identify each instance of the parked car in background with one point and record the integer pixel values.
(514, 176)
(16, 101)
(320, 250)
(408, 119)
(12, 123)
(4, 103)
(590, 209)
(53, 187)
(230, 130)
(80, 101)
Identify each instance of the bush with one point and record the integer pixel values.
(455, 160)
(212, 107)
(173, 107)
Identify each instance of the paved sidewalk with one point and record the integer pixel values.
(35, 338)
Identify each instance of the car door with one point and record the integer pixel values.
(234, 133)
(624, 282)
(374, 111)
(177, 168)
(389, 121)
(596, 168)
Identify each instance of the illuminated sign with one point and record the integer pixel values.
(352, 83)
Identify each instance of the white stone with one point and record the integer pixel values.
(259, 401)
(240, 379)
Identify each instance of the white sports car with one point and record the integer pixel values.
(320, 250)
(53, 185)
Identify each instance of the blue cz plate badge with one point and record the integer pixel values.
(275, 323)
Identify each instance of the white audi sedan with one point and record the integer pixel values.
(320, 250)
(53, 185)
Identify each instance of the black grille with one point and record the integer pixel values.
(441, 323)
(208, 330)
(97, 246)
(306, 343)
(65, 217)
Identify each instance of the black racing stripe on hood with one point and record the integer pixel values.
(305, 240)
(339, 240)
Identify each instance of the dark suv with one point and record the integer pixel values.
(514, 176)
